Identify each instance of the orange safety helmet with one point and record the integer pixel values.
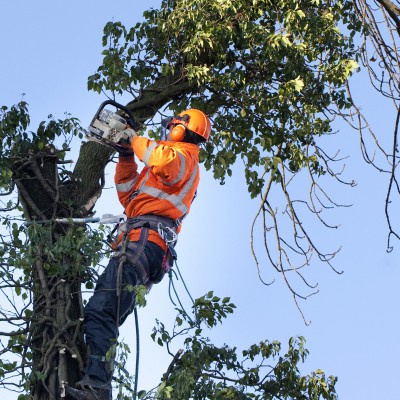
(194, 120)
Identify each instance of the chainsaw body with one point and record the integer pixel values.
(110, 128)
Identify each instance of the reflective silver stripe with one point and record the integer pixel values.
(189, 183)
(144, 180)
(175, 200)
(181, 171)
(126, 186)
(148, 151)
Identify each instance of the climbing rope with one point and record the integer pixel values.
(135, 390)
(171, 274)
(137, 353)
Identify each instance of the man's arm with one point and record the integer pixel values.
(126, 176)
(165, 161)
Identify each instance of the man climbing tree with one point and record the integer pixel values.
(155, 202)
(270, 75)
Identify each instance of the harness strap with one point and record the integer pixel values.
(166, 227)
(150, 221)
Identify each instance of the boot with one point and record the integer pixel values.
(88, 393)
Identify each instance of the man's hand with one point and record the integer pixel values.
(124, 147)
(130, 133)
(124, 151)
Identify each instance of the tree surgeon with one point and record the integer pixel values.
(155, 200)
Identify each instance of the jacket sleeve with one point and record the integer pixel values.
(165, 161)
(125, 179)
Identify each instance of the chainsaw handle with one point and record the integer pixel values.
(131, 119)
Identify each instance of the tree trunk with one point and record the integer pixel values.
(56, 331)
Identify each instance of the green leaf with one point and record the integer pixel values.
(298, 84)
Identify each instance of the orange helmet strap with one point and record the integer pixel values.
(177, 133)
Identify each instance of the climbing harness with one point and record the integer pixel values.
(166, 227)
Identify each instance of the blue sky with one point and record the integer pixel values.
(50, 48)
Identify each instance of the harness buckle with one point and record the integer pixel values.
(167, 234)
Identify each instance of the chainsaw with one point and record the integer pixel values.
(110, 128)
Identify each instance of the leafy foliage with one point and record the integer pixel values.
(267, 71)
(17, 142)
(202, 370)
(272, 75)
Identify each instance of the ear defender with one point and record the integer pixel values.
(177, 133)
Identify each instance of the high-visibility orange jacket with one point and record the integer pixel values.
(166, 186)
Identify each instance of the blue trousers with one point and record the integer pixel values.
(104, 307)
